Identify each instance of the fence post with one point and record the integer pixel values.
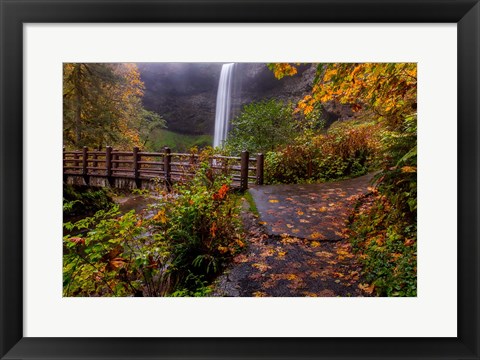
(167, 167)
(108, 164)
(85, 165)
(193, 163)
(225, 164)
(244, 170)
(135, 167)
(260, 161)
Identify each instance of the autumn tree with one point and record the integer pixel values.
(385, 92)
(384, 229)
(387, 89)
(102, 105)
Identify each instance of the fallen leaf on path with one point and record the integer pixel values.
(317, 235)
(255, 277)
(324, 254)
(326, 293)
(289, 240)
(267, 252)
(261, 267)
(240, 258)
(343, 254)
(269, 284)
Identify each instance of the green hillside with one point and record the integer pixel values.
(177, 142)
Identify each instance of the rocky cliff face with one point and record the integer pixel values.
(185, 93)
(254, 82)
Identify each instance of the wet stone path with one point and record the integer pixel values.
(298, 246)
(310, 211)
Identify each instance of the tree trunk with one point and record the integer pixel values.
(78, 104)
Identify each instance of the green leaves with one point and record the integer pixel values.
(411, 153)
(186, 238)
(384, 231)
(347, 149)
(261, 127)
(79, 201)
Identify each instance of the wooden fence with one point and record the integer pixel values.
(167, 167)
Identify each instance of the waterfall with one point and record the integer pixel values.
(222, 113)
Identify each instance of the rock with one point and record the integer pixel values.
(183, 93)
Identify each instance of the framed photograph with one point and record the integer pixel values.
(148, 95)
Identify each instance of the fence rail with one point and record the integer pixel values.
(164, 166)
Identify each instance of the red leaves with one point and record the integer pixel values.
(77, 240)
(221, 193)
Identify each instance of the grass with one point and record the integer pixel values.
(178, 142)
(252, 207)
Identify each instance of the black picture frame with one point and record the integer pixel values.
(14, 13)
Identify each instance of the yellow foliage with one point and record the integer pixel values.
(160, 216)
(222, 249)
(389, 89)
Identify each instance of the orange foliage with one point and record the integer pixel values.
(221, 193)
(389, 89)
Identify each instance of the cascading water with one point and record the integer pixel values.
(222, 113)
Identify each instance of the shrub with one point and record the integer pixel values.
(384, 228)
(113, 259)
(261, 127)
(176, 248)
(348, 149)
(386, 239)
(79, 200)
(203, 226)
